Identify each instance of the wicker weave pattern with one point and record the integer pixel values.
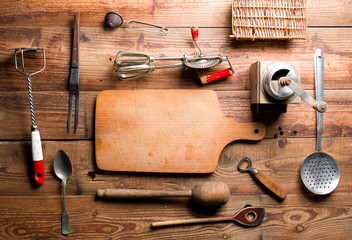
(269, 19)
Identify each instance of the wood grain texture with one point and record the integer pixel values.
(98, 48)
(174, 131)
(31, 212)
(278, 161)
(51, 115)
(93, 219)
(201, 13)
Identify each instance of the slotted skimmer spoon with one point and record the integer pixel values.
(319, 171)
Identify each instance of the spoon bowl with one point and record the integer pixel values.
(62, 165)
(63, 170)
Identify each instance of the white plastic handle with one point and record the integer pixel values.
(37, 151)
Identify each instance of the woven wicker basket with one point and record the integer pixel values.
(269, 19)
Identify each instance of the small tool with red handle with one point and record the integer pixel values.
(37, 152)
(130, 65)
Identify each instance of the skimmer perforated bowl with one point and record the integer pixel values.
(320, 173)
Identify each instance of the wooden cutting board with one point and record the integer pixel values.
(174, 131)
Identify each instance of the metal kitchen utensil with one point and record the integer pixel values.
(319, 106)
(63, 170)
(74, 76)
(263, 179)
(207, 193)
(37, 151)
(115, 20)
(270, 73)
(130, 65)
(248, 216)
(319, 171)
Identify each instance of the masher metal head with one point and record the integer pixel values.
(29, 75)
(22, 51)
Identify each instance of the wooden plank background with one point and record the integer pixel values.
(30, 212)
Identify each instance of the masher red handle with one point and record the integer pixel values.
(37, 157)
(38, 167)
(216, 76)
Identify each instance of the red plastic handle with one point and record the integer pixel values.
(38, 167)
(194, 31)
(216, 76)
(37, 157)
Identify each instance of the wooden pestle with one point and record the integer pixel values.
(207, 193)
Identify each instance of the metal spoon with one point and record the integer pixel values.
(319, 171)
(63, 170)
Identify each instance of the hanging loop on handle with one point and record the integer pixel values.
(161, 29)
(115, 20)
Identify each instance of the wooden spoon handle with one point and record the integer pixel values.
(271, 185)
(140, 193)
(248, 216)
(190, 221)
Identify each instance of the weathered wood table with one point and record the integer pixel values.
(31, 212)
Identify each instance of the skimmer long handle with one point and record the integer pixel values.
(319, 92)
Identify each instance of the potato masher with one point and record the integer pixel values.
(37, 152)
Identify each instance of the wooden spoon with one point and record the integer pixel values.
(207, 193)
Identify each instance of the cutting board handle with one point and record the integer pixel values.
(245, 131)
